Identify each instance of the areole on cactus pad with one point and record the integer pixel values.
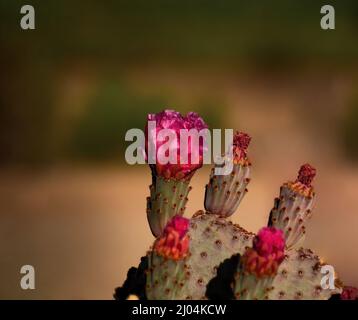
(188, 255)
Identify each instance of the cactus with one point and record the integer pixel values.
(187, 257)
(259, 264)
(225, 192)
(167, 269)
(168, 198)
(294, 207)
(170, 181)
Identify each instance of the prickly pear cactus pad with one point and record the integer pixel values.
(225, 192)
(168, 270)
(299, 277)
(190, 258)
(294, 206)
(212, 240)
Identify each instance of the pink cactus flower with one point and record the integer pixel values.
(179, 224)
(267, 253)
(306, 174)
(170, 119)
(349, 293)
(174, 242)
(240, 144)
(269, 241)
(303, 183)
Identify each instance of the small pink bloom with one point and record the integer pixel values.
(179, 224)
(306, 174)
(241, 140)
(349, 293)
(303, 183)
(240, 144)
(269, 241)
(267, 253)
(174, 242)
(173, 120)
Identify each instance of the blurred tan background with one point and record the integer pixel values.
(69, 90)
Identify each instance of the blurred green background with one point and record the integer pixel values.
(91, 70)
(69, 77)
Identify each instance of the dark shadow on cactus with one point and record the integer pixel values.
(135, 282)
(219, 288)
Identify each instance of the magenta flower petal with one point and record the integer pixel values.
(173, 120)
(349, 293)
(269, 241)
(267, 253)
(306, 174)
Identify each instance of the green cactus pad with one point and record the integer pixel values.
(299, 277)
(249, 287)
(165, 277)
(214, 239)
(225, 192)
(290, 214)
(168, 198)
